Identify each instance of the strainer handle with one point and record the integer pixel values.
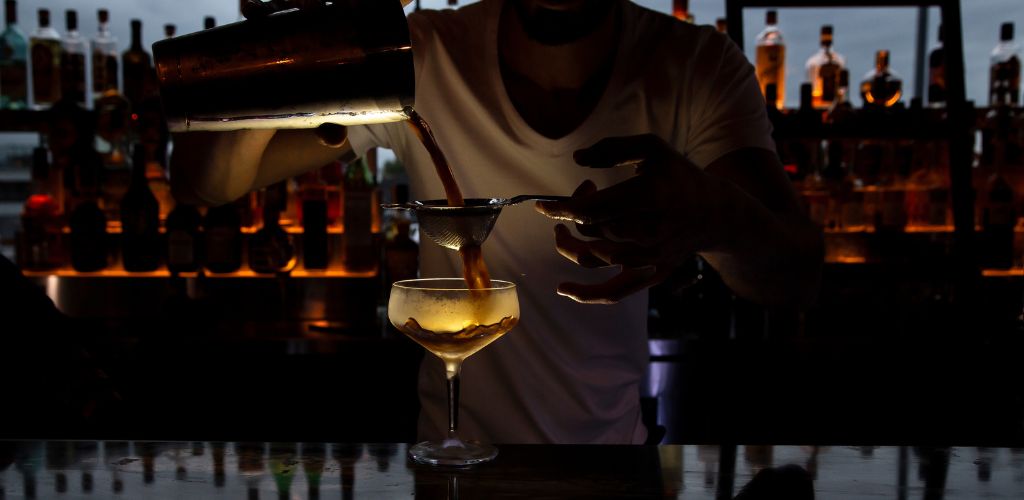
(537, 197)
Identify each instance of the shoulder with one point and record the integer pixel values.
(678, 45)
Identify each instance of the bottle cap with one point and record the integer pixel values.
(882, 58)
(209, 22)
(826, 29)
(12, 11)
(136, 26)
(1006, 32)
(170, 30)
(44, 18)
(71, 20)
(771, 17)
(103, 15)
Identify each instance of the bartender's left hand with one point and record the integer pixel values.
(648, 225)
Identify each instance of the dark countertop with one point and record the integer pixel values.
(159, 470)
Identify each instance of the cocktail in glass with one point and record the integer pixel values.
(453, 322)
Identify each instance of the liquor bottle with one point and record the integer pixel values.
(104, 57)
(115, 451)
(135, 66)
(13, 62)
(722, 26)
(313, 456)
(170, 30)
(41, 220)
(223, 232)
(998, 214)
(1004, 82)
(140, 220)
(88, 243)
(681, 11)
(937, 73)
(72, 63)
(807, 121)
(184, 239)
(209, 23)
(881, 87)
(156, 177)
(771, 58)
(45, 48)
(823, 70)
(383, 453)
(217, 452)
(314, 228)
(282, 461)
(401, 253)
(111, 142)
(357, 251)
(891, 214)
(271, 249)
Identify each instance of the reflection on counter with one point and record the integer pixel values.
(157, 470)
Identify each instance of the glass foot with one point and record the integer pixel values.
(452, 452)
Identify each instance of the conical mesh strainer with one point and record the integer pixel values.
(457, 227)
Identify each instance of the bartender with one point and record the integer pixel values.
(656, 127)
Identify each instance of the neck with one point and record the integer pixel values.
(552, 67)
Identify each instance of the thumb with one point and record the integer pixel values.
(332, 135)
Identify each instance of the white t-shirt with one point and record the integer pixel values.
(568, 373)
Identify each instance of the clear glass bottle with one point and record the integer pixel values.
(104, 57)
(823, 70)
(1004, 81)
(135, 66)
(140, 220)
(771, 58)
(358, 186)
(45, 47)
(13, 62)
(937, 73)
(72, 63)
(881, 87)
(40, 220)
(271, 249)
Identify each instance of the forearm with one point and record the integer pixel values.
(769, 256)
(213, 168)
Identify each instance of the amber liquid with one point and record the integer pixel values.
(457, 346)
(474, 269)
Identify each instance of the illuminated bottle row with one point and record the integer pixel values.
(828, 73)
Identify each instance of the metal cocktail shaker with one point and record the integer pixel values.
(349, 62)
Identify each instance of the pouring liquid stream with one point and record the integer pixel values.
(474, 269)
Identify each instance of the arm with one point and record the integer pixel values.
(767, 250)
(214, 168)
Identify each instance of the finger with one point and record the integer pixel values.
(620, 286)
(576, 249)
(332, 135)
(622, 151)
(621, 200)
(622, 254)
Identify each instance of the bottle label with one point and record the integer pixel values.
(829, 75)
(104, 72)
(45, 77)
(72, 76)
(180, 248)
(14, 83)
(771, 61)
(220, 245)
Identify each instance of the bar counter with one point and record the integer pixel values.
(163, 470)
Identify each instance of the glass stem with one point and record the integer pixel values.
(452, 370)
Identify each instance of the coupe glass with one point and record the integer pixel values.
(448, 319)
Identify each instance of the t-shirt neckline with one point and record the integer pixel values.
(584, 131)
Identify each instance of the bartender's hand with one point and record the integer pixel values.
(648, 224)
